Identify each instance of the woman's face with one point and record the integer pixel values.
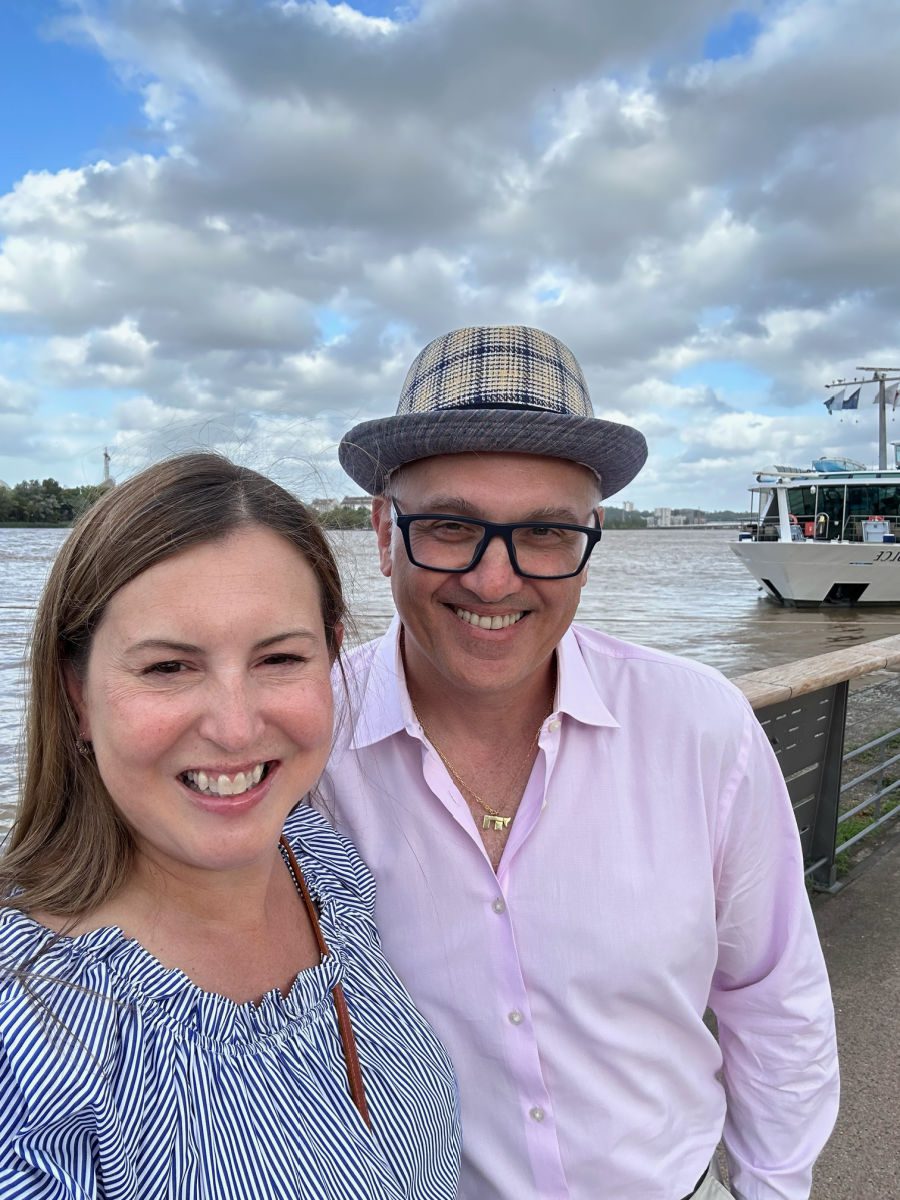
(207, 697)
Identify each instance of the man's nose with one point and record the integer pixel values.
(232, 716)
(493, 578)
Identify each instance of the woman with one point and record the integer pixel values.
(182, 945)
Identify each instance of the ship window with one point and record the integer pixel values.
(802, 503)
(864, 502)
(831, 502)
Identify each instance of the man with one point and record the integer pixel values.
(579, 844)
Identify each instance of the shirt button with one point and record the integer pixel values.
(536, 1114)
(554, 725)
(499, 905)
(515, 1017)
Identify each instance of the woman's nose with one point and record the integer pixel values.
(232, 717)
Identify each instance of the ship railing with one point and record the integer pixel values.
(767, 530)
(802, 706)
(858, 528)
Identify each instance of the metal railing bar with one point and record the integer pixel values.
(885, 737)
(888, 816)
(868, 802)
(803, 704)
(821, 862)
(888, 762)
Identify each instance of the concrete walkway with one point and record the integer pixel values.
(860, 931)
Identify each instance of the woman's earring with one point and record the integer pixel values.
(84, 747)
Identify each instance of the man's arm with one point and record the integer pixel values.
(770, 991)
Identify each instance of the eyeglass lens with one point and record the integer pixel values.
(543, 550)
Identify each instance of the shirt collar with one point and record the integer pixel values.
(386, 708)
(577, 693)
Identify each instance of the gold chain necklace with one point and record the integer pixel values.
(491, 819)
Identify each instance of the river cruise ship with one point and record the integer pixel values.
(828, 534)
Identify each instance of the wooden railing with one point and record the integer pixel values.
(802, 706)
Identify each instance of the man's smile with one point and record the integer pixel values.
(480, 621)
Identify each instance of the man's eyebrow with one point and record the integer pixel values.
(165, 645)
(459, 506)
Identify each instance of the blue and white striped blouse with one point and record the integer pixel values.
(161, 1091)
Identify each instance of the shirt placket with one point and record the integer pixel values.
(512, 1010)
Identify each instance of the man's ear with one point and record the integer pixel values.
(601, 513)
(383, 526)
(338, 635)
(75, 692)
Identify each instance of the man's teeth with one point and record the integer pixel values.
(225, 785)
(488, 622)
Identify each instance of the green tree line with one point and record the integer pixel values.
(344, 517)
(45, 502)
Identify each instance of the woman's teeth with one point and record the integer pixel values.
(488, 622)
(225, 785)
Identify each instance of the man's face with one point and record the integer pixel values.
(442, 645)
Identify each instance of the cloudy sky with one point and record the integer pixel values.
(234, 223)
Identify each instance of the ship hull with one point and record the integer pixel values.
(809, 574)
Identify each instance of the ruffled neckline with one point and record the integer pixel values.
(108, 961)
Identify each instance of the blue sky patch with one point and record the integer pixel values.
(734, 37)
(724, 376)
(62, 104)
(548, 295)
(333, 325)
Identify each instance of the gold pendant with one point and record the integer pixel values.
(495, 822)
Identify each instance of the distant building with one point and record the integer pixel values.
(627, 506)
(675, 518)
(357, 502)
(323, 503)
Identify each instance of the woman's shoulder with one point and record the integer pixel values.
(29, 947)
(329, 861)
(55, 1026)
(43, 973)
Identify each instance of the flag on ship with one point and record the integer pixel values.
(852, 400)
(836, 401)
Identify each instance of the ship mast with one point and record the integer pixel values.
(881, 376)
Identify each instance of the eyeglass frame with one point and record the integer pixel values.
(494, 529)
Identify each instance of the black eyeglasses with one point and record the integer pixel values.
(537, 549)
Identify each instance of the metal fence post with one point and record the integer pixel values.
(807, 735)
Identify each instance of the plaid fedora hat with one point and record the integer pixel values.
(494, 388)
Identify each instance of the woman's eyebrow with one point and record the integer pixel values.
(164, 644)
(169, 646)
(306, 634)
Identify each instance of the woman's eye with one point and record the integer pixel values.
(279, 660)
(164, 668)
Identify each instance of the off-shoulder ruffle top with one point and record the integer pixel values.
(145, 1087)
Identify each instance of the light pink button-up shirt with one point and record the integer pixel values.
(653, 868)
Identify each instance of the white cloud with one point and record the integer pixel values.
(569, 163)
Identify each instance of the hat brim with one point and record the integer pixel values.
(371, 450)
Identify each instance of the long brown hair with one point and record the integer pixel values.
(69, 849)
